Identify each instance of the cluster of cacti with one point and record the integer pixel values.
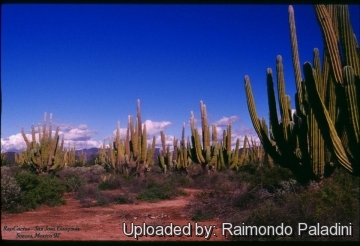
(181, 157)
(42, 156)
(325, 128)
(67, 156)
(82, 159)
(211, 154)
(3, 159)
(165, 157)
(47, 155)
(131, 154)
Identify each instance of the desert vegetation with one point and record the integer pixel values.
(305, 170)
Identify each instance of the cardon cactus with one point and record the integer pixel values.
(212, 155)
(131, 156)
(42, 156)
(325, 128)
(165, 155)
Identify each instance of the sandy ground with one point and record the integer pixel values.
(74, 222)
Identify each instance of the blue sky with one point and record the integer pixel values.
(88, 65)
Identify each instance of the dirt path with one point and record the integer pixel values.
(73, 222)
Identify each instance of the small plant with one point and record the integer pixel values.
(111, 198)
(74, 182)
(88, 195)
(40, 189)
(10, 194)
(110, 182)
(267, 178)
(90, 174)
(155, 192)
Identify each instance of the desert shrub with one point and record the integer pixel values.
(10, 170)
(90, 174)
(118, 198)
(159, 191)
(40, 189)
(180, 180)
(195, 170)
(335, 200)
(90, 195)
(245, 200)
(217, 203)
(267, 177)
(10, 194)
(87, 194)
(110, 182)
(220, 181)
(74, 182)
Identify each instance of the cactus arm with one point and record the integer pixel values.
(25, 138)
(322, 116)
(198, 147)
(295, 54)
(204, 125)
(243, 153)
(274, 123)
(347, 39)
(151, 152)
(256, 123)
(163, 144)
(138, 115)
(228, 139)
(353, 108)
(284, 111)
(235, 157)
(329, 35)
(214, 133)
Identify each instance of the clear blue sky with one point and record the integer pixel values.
(88, 64)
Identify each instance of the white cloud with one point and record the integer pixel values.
(80, 133)
(154, 127)
(81, 136)
(169, 141)
(224, 121)
(81, 144)
(13, 143)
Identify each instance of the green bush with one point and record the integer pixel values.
(110, 182)
(156, 191)
(10, 194)
(90, 174)
(74, 182)
(335, 200)
(88, 194)
(40, 189)
(268, 178)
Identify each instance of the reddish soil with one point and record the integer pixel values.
(104, 223)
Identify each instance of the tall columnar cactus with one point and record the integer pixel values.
(165, 155)
(325, 129)
(181, 154)
(208, 151)
(256, 154)
(42, 156)
(132, 155)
